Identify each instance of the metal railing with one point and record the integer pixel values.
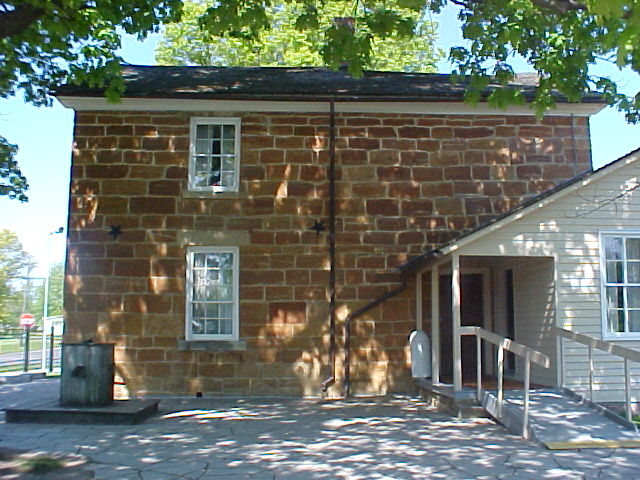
(14, 356)
(509, 345)
(626, 354)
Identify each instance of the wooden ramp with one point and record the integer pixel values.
(561, 422)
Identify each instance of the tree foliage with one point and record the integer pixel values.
(56, 290)
(44, 43)
(288, 41)
(14, 263)
(560, 39)
(12, 182)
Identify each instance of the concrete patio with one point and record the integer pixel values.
(277, 439)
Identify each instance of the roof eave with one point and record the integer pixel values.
(314, 103)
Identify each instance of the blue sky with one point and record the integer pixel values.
(45, 138)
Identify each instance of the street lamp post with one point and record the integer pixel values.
(45, 304)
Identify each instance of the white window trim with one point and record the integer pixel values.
(606, 334)
(195, 121)
(189, 335)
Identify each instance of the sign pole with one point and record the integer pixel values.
(51, 347)
(26, 349)
(26, 321)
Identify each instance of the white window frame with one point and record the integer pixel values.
(235, 335)
(195, 121)
(606, 333)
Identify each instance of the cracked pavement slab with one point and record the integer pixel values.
(276, 439)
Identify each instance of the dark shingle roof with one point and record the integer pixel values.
(277, 83)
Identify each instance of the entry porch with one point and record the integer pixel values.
(487, 317)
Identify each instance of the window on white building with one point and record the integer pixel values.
(620, 258)
(212, 293)
(214, 154)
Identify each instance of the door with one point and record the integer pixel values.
(472, 308)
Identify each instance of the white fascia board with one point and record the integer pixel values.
(596, 176)
(433, 108)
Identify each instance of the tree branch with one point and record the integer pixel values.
(16, 21)
(560, 6)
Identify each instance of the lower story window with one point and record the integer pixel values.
(621, 283)
(212, 293)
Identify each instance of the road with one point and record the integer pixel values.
(17, 358)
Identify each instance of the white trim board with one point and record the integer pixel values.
(433, 108)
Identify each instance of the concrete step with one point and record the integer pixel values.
(562, 423)
(21, 377)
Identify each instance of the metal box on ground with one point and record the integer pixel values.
(87, 374)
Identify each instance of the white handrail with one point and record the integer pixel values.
(626, 353)
(509, 345)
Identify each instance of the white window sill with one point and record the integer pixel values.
(211, 194)
(212, 345)
(622, 337)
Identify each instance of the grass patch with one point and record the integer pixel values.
(42, 465)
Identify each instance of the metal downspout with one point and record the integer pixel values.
(332, 247)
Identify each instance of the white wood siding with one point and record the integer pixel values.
(567, 231)
(534, 297)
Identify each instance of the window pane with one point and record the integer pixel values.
(200, 290)
(229, 132)
(202, 131)
(227, 179)
(197, 323)
(220, 293)
(199, 259)
(219, 260)
(213, 276)
(201, 179)
(228, 164)
(198, 310)
(226, 327)
(613, 248)
(212, 310)
(203, 147)
(226, 310)
(215, 131)
(616, 320)
(197, 327)
(614, 272)
(633, 248)
(615, 297)
(215, 147)
(633, 272)
(229, 147)
(212, 327)
(202, 164)
(634, 320)
(633, 297)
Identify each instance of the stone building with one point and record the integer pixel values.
(207, 206)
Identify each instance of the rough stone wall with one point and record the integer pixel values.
(405, 184)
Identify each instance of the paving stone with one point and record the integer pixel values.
(109, 472)
(280, 439)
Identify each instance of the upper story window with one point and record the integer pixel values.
(214, 159)
(620, 258)
(212, 293)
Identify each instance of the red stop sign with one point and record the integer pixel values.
(27, 320)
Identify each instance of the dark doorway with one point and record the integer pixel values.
(472, 307)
